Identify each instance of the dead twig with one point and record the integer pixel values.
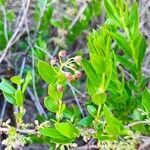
(16, 32)
(36, 102)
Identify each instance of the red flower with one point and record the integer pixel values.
(62, 53)
(53, 61)
(78, 59)
(69, 76)
(78, 74)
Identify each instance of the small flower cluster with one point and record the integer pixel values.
(15, 139)
(68, 66)
(128, 142)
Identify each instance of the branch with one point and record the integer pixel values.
(25, 131)
(37, 103)
(138, 123)
(87, 147)
(76, 98)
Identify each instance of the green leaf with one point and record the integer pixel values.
(56, 23)
(53, 133)
(112, 12)
(46, 72)
(17, 80)
(106, 76)
(19, 97)
(26, 82)
(46, 19)
(99, 42)
(2, 2)
(127, 64)
(62, 108)
(99, 98)
(92, 110)
(98, 62)
(95, 47)
(86, 122)
(9, 98)
(51, 105)
(62, 141)
(114, 126)
(123, 43)
(146, 100)
(90, 87)
(103, 137)
(62, 80)
(134, 19)
(54, 93)
(90, 72)
(6, 87)
(56, 136)
(141, 50)
(67, 129)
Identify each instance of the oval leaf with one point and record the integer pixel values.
(67, 129)
(99, 98)
(6, 87)
(92, 110)
(19, 98)
(46, 72)
(50, 104)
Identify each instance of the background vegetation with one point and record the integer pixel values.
(74, 74)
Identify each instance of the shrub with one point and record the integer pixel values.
(118, 101)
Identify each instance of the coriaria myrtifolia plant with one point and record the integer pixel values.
(118, 101)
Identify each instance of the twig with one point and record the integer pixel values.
(5, 23)
(45, 51)
(146, 71)
(3, 111)
(86, 147)
(1, 118)
(33, 84)
(37, 103)
(22, 66)
(35, 96)
(83, 95)
(83, 8)
(15, 33)
(18, 37)
(138, 123)
(76, 99)
(25, 131)
(145, 142)
(49, 4)
(55, 51)
(41, 16)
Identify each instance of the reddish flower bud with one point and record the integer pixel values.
(60, 88)
(72, 66)
(53, 61)
(75, 77)
(78, 74)
(69, 76)
(78, 59)
(62, 53)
